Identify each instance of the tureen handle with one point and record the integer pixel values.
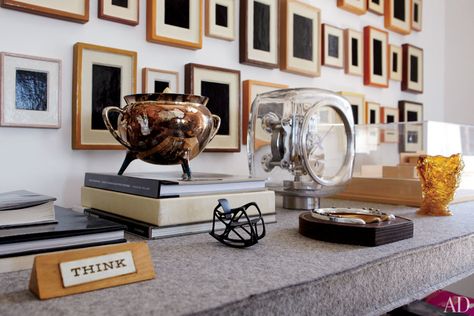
(105, 116)
(217, 123)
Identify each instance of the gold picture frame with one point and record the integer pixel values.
(70, 10)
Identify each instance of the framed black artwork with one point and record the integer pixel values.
(410, 111)
(332, 46)
(259, 33)
(358, 7)
(375, 57)
(372, 112)
(353, 52)
(357, 102)
(395, 64)
(397, 16)
(121, 11)
(157, 80)
(220, 19)
(376, 6)
(412, 73)
(417, 15)
(389, 115)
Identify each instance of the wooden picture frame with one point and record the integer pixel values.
(411, 139)
(332, 54)
(220, 19)
(305, 39)
(410, 111)
(358, 7)
(397, 16)
(375, 57)
(222, 86)
(30, 91)
(357, 102)
(412, 73)
(120, 11)
(353, 52)
(389, 115)
(259, 44)
(376, 6)
(102, 76)
(395, 65)
(175, 23)
(417, 15)
(372, 112)
(250, 90)
(71, 10)
(157, 80)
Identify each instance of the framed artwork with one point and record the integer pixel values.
(417, 15)
(353, 52)
(376, 6)
(175, 22)
(252, 88)
(372, 112)
(222, 86)
(412, 138)
(259, 33)
(389, 115)
(333, 46)
(410, 111)
(412, 73)
(157, 80)
(375, 57)
(358, 7)
(397, 16)
(395, 56)
(30, 91)
(357, 102)
(121, 11)
(300, 30)
(71, 10)
(102, 76)
(220, 19)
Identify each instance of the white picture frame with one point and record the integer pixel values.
(30, 91)
(154, 80)
(220, 19)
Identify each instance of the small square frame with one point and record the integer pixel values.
(194, 75)
(411, 139)
(126, 15)
(85, 57)
(310, 67)
(327, 59)
(349, 66)
(408, 109)
(70, 10)
(417, 15)
(398, 19)
(358, 7)
(412, 73)
(389, 115)
(357, 102)
(372, 106)
(374, 7)
(10, 114)
(375, 77)
(395, 65)
(160, 32)
(150, 75)
(213, 28)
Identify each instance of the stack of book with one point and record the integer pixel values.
(30, 223)
(161, 205)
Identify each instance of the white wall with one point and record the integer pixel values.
(43, 161)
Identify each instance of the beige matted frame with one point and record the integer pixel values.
(165, 75)
(212, 29)
(358, 7)
(129, 15)
(357, 101)
(70, 10)
(392, 22)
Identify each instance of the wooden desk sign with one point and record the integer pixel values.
(77, 271)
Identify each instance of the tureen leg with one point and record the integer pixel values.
(186, 169)
(131, 156)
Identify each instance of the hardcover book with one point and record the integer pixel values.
(169, 184)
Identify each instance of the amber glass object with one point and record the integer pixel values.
(440, 177)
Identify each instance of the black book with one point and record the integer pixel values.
(169, 184)
(72, 230)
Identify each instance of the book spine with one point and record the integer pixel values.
(123, 184)
(131, 227)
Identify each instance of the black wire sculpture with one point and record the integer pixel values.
(241, 230)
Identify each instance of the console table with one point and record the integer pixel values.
(284, 274)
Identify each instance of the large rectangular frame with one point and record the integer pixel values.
(70, 10)
(370, 77)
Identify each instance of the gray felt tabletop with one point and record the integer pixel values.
(284, 274)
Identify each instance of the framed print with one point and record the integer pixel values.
(397, 16)
(102, 76)
(417, 14)
(357, 102)
(71, 10)
(412, 73)
(389, 115)
(175, 22)
(300, 28)
(121, 11)
(358, 7)
(333, 46)
(395, 56)
(376, 6)
(375, 57)
(259, 33)
(252, 88)
(30, 91)
(353, 52)
(222, 86)
(220, 19)
(372, 112)
(410, 111)
(157, 80)
(412, 138)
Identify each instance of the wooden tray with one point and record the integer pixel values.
(375, 234)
